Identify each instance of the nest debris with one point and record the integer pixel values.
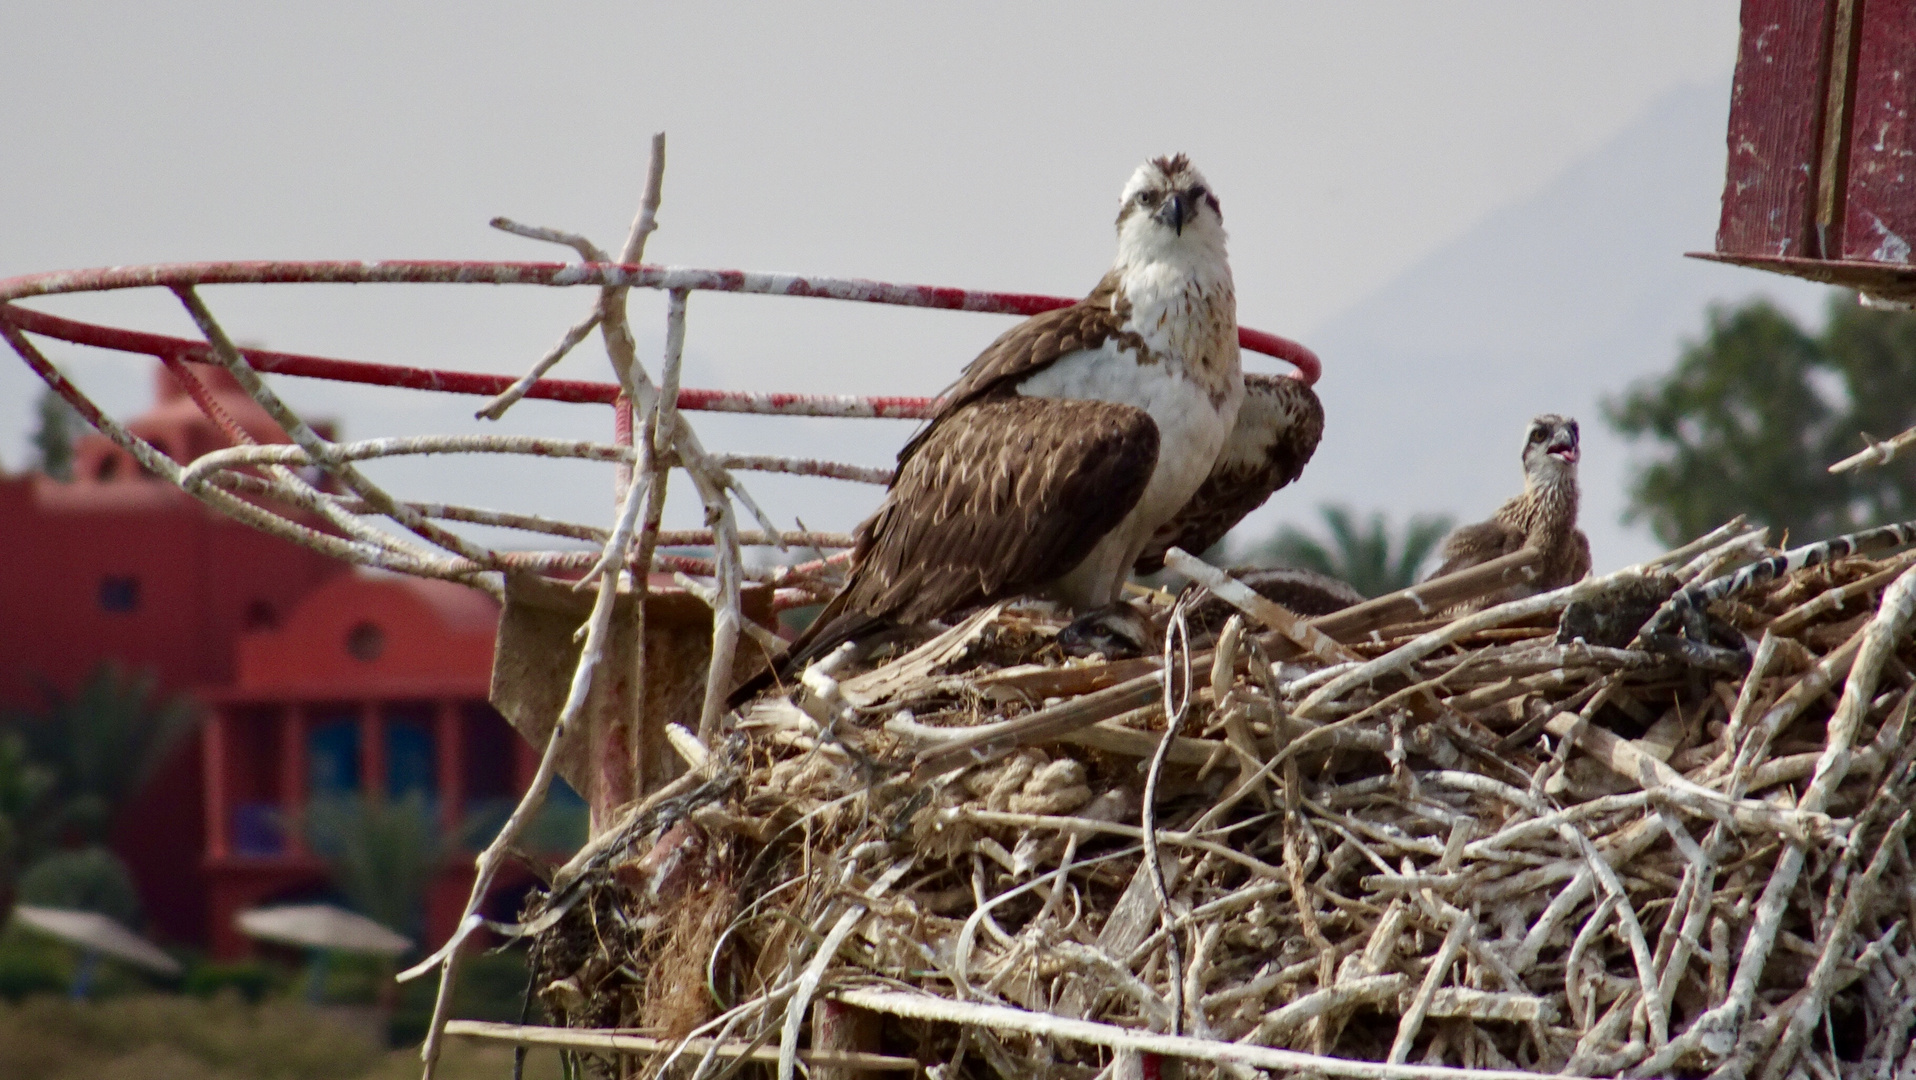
(1655, 835)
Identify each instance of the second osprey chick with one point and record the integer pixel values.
(1543, 517)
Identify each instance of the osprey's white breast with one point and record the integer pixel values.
(1187, 379)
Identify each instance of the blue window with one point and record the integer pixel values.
(411, 764)
(332, 757)
(119, 593)
(257, 829)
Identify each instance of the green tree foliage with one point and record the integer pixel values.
(100, 744)
(23, 789)
(558, 827)
(67, 769)
(88, 879)
(1372, 557)
(1755, 412)
(381, 853)
(59, 426)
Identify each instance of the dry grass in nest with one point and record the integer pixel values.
(1458, 846)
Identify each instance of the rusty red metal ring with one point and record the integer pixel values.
(55, 283)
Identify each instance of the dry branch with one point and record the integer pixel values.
(1564, 902)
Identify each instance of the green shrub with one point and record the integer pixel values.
(492, 986)
(177, 1037)
(250, 980)
(90, 879)
(31, 964)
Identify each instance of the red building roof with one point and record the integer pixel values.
(373, 636)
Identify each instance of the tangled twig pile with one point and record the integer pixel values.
(1484, 841)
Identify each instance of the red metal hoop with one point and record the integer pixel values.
(173, 275)
(183, 278)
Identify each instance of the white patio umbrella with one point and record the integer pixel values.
(322, 926)
(94, 932)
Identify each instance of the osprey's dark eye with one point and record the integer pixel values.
(1147, 198)
(1198, 192)
(1536, 434)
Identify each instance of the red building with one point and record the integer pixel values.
(119, 565)
(317, 680)
(374, 686)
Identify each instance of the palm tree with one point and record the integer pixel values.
(23, 788)
(100, 744)
(380, 853)
(1369, 557)
(66, 771)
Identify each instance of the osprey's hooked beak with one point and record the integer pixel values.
(1565, 447)
(1175, 211)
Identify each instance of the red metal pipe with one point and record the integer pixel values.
(565, 274)
(316, 367)
(452, 382)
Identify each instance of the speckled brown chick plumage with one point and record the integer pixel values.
(1544, 517)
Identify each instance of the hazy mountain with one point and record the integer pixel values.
(1550, 304)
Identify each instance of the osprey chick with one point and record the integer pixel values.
(1068, 442)
(1543, 517)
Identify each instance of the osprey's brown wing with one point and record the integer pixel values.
(1277, 432)
(1000, 498)
(1028, 348)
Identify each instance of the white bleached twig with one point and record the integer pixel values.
(1877, 453)
(1716, 1030)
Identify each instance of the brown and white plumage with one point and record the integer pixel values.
(1068, 442)
(1544, 516)
(1277, 431)
(985, 516)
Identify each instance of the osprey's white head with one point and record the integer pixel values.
(1170, 215)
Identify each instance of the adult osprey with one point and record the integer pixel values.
(1543, 517)
(1069, 441)
(1276, 433)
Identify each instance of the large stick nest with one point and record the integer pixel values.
(1531, 838)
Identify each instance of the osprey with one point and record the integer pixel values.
(1276, 433)
(1065, 446)
(1543, 517)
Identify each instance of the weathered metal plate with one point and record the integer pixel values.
(619, 751)
(1884, 281)
(1776, 129)
(1880, 220)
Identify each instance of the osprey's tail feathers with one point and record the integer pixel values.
(833, 627)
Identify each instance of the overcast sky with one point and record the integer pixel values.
(980, 145)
